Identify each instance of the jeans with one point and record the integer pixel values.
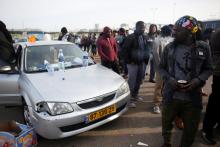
(135, 74)
(152, 68)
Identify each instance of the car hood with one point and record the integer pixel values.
(79, 84)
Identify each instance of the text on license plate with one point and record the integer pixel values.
(102, 113)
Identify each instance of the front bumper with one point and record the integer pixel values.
(55, 127)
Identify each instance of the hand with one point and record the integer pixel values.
(194, 83)
(173, 83)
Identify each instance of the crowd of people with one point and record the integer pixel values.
(181, 58)
(86, 42)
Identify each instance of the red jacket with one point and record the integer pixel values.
(107, 48)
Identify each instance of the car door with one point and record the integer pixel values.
(9, 88)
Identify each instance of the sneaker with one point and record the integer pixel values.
(208, 139)
(132, 105)
(140, 99)
(156, 109)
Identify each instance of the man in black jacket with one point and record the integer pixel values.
(7, 53)
(135, 51)
(65, 35)
(185, 65)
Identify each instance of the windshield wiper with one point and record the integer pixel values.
(37, 71)
(77, 65)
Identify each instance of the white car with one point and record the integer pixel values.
(60, 103)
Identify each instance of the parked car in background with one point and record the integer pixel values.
(38, 35)
(88, 96)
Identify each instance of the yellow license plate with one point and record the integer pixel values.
(101, 113)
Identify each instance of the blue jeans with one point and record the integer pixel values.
(152, 68)
(135, 74)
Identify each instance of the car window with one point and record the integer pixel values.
(12, 68)
(36, 56)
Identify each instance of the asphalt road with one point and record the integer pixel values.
(136, 125)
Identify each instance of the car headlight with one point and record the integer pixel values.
(54, 108)
(122, 90)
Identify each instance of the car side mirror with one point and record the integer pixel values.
(5, 69)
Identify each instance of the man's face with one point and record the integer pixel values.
(108, 33)
(180, 34)
(140, 28)
(121, 33)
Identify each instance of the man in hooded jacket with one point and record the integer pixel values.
(107, 49)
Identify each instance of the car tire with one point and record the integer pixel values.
(26, 117)
(26, 114)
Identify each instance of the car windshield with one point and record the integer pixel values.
(36, 56)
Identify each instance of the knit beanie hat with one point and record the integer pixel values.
(188, 22)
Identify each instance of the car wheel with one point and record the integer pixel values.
(26, 114)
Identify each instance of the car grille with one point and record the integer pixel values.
(96, 102)
(84, 124)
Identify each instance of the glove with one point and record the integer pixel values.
(173, 83)
(194, 83)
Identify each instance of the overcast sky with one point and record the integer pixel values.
(51, 15)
